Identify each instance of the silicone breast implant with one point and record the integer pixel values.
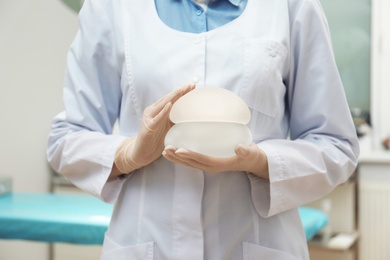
(211, 121)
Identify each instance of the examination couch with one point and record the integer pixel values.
(81, 219)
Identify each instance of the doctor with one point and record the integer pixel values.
(126, 65)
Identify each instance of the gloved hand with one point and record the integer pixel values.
(248, 158)
(136, 152)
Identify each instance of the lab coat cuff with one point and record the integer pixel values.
(267, 198)
(108, 190)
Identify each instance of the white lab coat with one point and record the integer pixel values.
(277, 57)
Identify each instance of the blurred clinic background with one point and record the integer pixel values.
(34, 40)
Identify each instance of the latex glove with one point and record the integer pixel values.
(248, 158)
(136, 152)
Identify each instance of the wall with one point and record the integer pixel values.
(380, 86)
(350, 27)
(34, 39)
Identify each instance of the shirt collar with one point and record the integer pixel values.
(233, 2)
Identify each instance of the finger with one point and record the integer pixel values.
(170, 97)
(153, 123)
(172, 153)
(242, 151)
(178, 93)
(170, 148)
(201, 160)
(187, 163)
(173, 158)
(180, 157)
(164, 113)
(156, 107)
(184, 153)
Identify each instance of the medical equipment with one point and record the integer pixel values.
(48, 217)
(82, 219)
(210, 121)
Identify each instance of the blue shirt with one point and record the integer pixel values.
(190, 17)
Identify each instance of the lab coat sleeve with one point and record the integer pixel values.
(81, 145)
(322, 150)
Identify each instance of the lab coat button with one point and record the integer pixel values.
(273, 53)
(195, 79)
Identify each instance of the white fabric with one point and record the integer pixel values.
(277, 56)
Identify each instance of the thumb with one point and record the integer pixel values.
(242, 150)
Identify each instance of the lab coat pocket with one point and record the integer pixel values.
(263, 87)
(113, 251)
(256, 252)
